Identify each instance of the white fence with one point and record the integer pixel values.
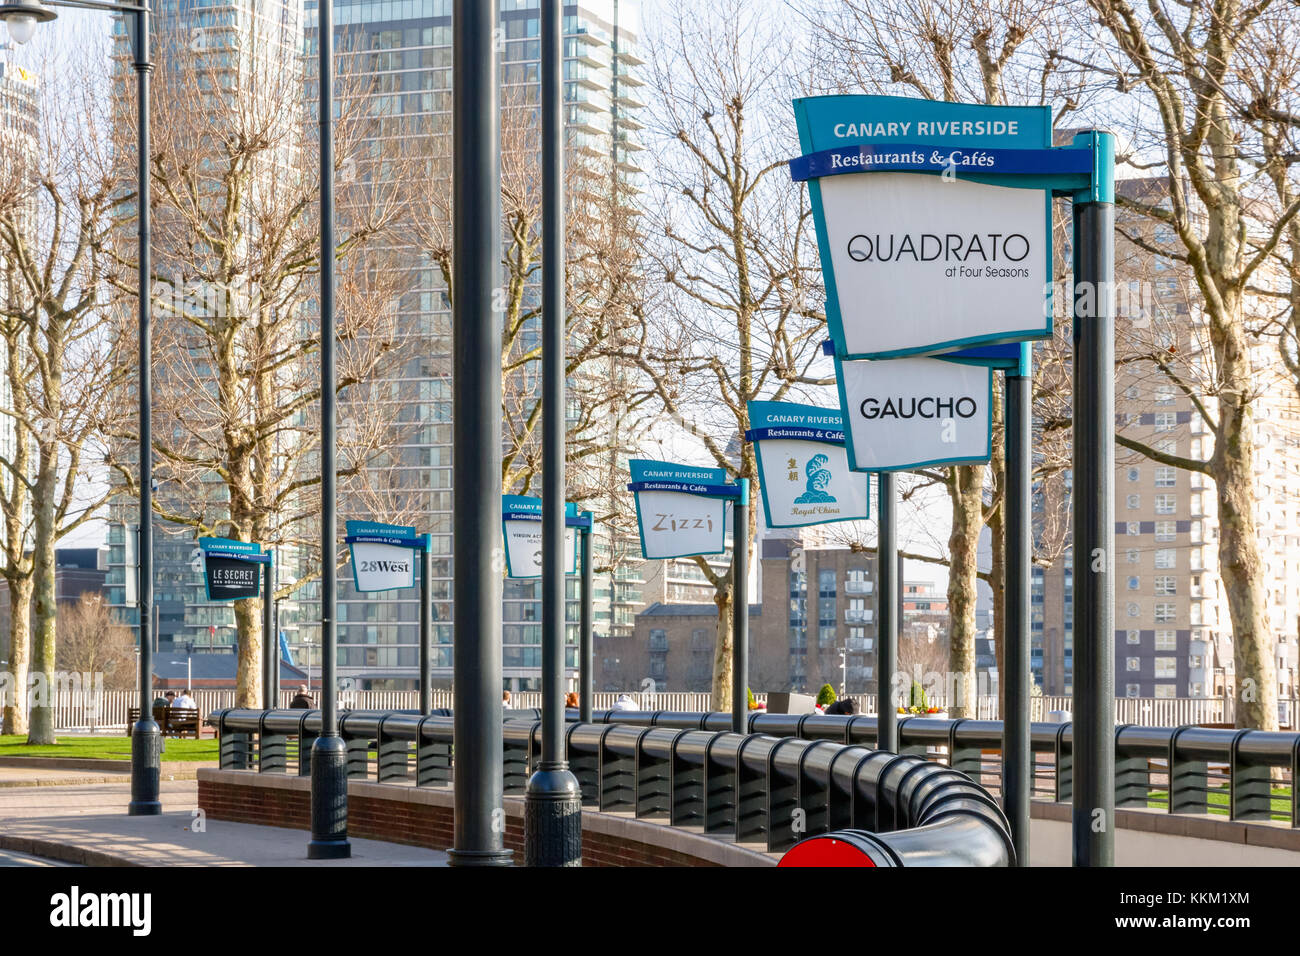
(85, 710)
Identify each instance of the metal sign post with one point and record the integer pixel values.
(586, 639)
(740, 611)
(887, 627)
(270, 640)
(426, 624)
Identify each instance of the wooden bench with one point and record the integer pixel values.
(172, 721)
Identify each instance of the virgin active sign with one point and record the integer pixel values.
(934, 220)
(681, 510)
(521, 528)
(803, 465)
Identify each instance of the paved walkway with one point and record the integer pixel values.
(89, 824)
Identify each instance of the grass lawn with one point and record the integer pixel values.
(107, 748)
(1217, 800)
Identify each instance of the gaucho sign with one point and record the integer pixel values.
(908, 412)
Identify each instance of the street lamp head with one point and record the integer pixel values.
(21, 17)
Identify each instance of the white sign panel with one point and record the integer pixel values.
(808, 482)
(675, 524)
(524, 549)
(382, 567)
(902, 413)
(922, 263)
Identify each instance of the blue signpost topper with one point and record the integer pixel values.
(803, 466)
(680, 509)
(521, 530)
(232, 569)
(383, 555)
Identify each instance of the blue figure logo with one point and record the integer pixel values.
(818, 480)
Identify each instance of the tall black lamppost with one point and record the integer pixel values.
(553, 805)
(479, 838)
(329, 784)
(22, 18)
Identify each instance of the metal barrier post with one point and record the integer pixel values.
(740, 611)
(887, 616)
(1017, 755)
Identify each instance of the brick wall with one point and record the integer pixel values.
(424, 817)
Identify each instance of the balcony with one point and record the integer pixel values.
(859, 587)
(859, 644)
(864, 616)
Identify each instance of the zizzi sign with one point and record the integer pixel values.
(383, 555)
(803, 465)
(934, 220)
(681, 510)
(232, 570)
(908, 412)
(521, 527)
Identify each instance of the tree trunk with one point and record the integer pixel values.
(20, 637)
(248, 625)
(44, 606)
(722, 675)
(967, 494)
(1242, 572)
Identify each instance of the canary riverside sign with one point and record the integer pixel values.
(803, 465)
(232, 570)
(681, 510)
(383, 555)
(521, 528)
(934, 220)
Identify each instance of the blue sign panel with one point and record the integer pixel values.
(232, 569)
(383, 555)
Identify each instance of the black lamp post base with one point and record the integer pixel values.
(480, 857)
(146, 769)
(329, 800)
(553, 818)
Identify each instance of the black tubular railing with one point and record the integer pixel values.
(677, 769)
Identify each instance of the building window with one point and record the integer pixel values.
(1132, 528)
(1166, 667)
(1196, 689)
(1165, 421)
(1133, 609)
(1195, 660)
(1166, 477)
(1133, 393)
(1165, 394)
(1134, 582)
(1131, 556)
(1134, 637)
(1166, 530)
(1166, 503)
(1166, 640)
(1165, 612)
(1166, 558)
(1165, 691)
(1134, 502)
(1133, 663)
(1132, 690)
(1166, 584)
(1134, 474)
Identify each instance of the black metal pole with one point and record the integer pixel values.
(1017, 757)
(740, 612)
(887, 626)
(146, 737)
(1094, 534)
(476, 394)
(270, 640)
(586, 640)
(329, 784)
(426, 626)
(553, 802)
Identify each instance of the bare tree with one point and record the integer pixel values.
(1212, 131)
(92, 641)
(58, 207)
(732, 241)
(236, 251)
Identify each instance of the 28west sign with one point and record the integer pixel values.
(383, 555)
